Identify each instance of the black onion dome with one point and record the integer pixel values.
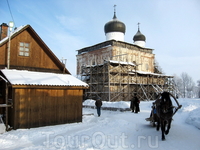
(139, 36)
(114, 26)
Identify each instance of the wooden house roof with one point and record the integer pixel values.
(40, 42)
(24, 77)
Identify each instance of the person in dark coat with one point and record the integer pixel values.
(135, 104)
(132, 106)
(98, 105)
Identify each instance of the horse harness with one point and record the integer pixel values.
(164, 111)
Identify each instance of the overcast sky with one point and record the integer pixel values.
(171, 27)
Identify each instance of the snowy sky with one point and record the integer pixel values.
(171, 27)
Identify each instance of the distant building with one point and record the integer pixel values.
(115, 69)
(37, 90)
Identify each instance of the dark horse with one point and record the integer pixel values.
(164, 112)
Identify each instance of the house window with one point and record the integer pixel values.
(24, 49)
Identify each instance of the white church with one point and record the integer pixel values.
(115, 69)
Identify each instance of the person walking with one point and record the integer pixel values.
(98, 105)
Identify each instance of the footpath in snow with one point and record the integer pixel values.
(112, 130)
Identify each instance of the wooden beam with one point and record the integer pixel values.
(5, 105)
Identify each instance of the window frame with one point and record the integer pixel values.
(24, 49)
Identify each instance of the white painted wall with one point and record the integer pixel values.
(118, 36)
(140, 43)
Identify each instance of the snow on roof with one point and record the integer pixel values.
(156, 74)
(121, 62)
(113, 62)
(24, 77)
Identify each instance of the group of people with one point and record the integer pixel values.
(134, 105)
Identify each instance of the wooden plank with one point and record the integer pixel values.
(41, 107)
(39, 100)
(33, 108)
(28, 103)
(69, 106)
(59, 106)
(78, 95)
(22, 109)
(46, 104)
(51, 108)
(65, 106)
(54, 106)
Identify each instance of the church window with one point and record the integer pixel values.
(93, 62)
(147, 67)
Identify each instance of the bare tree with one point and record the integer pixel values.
(198, 85)
(178, 85)
(184, 82)
(188, 85)
(190, 88)
(157, 68)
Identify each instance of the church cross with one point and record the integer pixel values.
(138, 25)
(114, 8)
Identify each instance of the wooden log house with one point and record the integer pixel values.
(41, 99)
(26, 101)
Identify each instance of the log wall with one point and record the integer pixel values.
(42, 107)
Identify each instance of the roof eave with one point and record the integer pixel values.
(25, 86)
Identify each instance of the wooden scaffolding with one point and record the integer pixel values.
(118, 81)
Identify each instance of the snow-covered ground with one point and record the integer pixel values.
(112, 130)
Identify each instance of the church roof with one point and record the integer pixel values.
(139, 36)
(114, 26)
(113, 43)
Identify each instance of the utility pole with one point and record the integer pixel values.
(64, 61)
(11, 25)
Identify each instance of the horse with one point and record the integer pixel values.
(164, 112)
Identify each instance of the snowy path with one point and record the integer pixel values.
(113, 130)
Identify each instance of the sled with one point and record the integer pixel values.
(152, 119)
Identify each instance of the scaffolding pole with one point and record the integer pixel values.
(144, 92)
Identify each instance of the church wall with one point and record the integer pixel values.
(137, 55)
(146, 60)
(95, 57)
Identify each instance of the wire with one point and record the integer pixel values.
(10, 12)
